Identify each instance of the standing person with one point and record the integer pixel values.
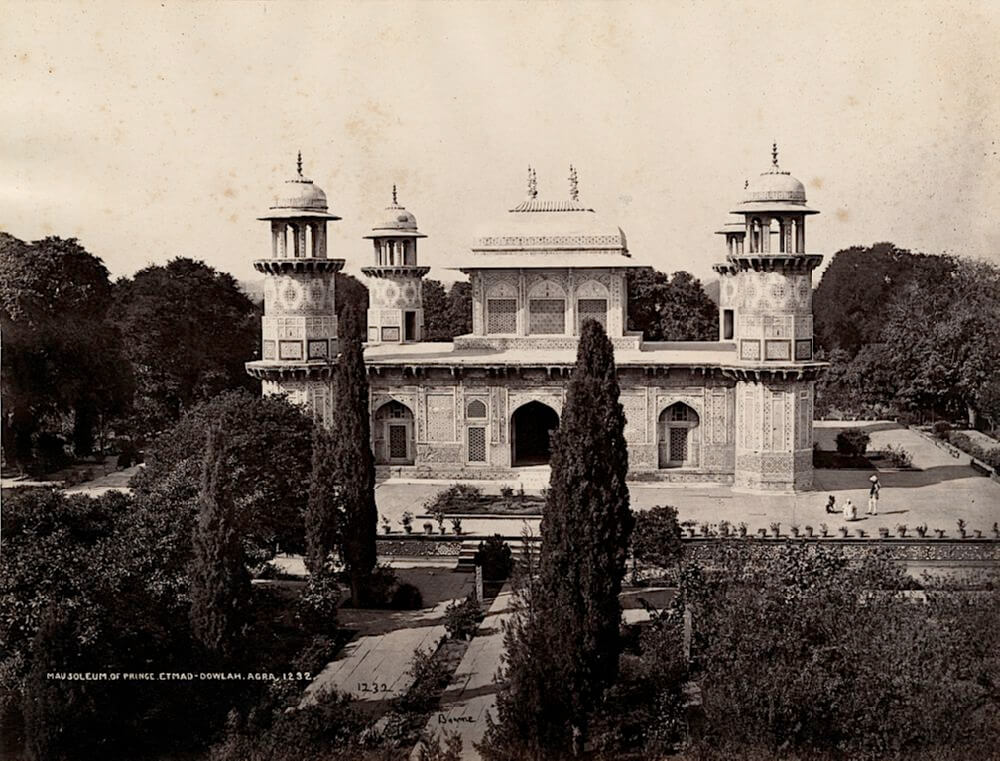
(831, 504)
(873, 495)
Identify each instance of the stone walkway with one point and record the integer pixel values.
(942, 491)
(472, 693)
(374, 665)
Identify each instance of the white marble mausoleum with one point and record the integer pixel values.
(737, 411)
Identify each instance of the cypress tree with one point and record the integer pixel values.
(322, 518)
(564, 645)
(220, 582)
(353, 464)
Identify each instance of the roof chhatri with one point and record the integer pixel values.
(396, 223)
(299, 197)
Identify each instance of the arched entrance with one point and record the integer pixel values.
(530, 428)
(393, 429)
(677, 434)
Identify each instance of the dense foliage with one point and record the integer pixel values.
(670, 307)
(568, 633)
(909, 334)
(801, 653)
(656, 538)
(268, 460)
(187, 331)
(446, 313)
(61, 353)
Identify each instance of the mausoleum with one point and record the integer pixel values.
(736, 411)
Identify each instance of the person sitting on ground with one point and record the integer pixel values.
(850, 511)
(831, 503)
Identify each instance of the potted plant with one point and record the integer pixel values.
(706, 529)
(809, 531)
(456, 525)
(843, 532)
(795, 529)
(689, 527)
(742, 528)
(439, 518)
(407, 521)
(824, 530)
(762, 532)
(883, 532)
(860, 532)
(428, 528)
(724, 528)
(386, 526)
(961, 528)
(901, 530)
(776, 529)
(939, 532)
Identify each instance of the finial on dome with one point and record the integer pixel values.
(574, 190)
(298, 164)
(774, 154)
(394, 201)
(532, 183)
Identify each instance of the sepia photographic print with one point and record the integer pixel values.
(500, 381)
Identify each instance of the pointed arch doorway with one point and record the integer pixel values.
(531, 429)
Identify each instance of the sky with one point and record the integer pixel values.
(150, 131)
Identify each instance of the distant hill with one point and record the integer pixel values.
(712, 289)
(255, 288)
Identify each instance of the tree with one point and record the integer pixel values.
(61, 354)
(220, 583)
(323, 519)
(670, 308)
(656, 537)
(446, 313)
(804, 653)
(354, 464)
(859, 283)
(938, 348)
(187, 332)
(267, 466)
(352, 295)
(568, 632)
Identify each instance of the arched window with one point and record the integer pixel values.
(546, 309)
(476, 409)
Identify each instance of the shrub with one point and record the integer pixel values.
(940, 428)
(430, 676)
(316, 610)
(461, 619)
(406, 597)
(853, 441)
(656, 537)
(494, 556)
(318, 652)
(50, 452)
(897, 456)
(384, 590)
(454, 497)
(991, 456)
(507, 492)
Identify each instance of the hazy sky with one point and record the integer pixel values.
(150, 131)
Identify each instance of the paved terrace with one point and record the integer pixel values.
(943, 490)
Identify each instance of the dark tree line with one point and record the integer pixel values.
(671, 307)
(909, 334)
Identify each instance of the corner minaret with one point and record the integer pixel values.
(396, 312)
(767, 285)
(299, 326)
